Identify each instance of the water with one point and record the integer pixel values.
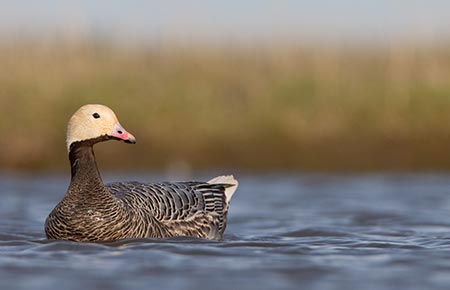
(299, 231)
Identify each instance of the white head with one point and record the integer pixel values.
(95, 121)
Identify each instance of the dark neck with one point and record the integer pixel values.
(85, 174)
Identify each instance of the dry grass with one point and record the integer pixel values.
(284, 107)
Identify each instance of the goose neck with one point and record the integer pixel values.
(84, 168)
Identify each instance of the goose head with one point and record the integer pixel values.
(95, 123)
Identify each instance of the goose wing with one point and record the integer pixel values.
(183, 208)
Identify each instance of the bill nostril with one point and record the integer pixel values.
(119, 131)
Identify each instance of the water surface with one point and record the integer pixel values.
(296, 231)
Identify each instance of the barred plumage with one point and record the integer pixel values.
(176, 204)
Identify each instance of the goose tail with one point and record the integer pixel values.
(226, 180)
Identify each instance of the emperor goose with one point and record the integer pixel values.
(91, 211)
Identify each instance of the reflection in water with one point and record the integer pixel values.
(313, 231)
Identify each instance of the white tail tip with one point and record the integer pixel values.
(226, 179)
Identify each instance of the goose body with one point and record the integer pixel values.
(91, 211)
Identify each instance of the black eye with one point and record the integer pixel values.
(96, 115)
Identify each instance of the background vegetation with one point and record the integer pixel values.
(260, 107)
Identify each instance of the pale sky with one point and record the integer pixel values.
(231, 19)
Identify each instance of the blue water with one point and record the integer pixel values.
(296, 231)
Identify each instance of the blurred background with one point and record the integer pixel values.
(250, 85)
(334, 115)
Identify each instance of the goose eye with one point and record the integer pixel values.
(96, 115)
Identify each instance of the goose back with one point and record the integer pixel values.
(196, 209)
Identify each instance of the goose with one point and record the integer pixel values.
(92, 211)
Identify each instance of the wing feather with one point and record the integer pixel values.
(182, 207)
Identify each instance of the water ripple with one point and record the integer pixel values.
(317, 232)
